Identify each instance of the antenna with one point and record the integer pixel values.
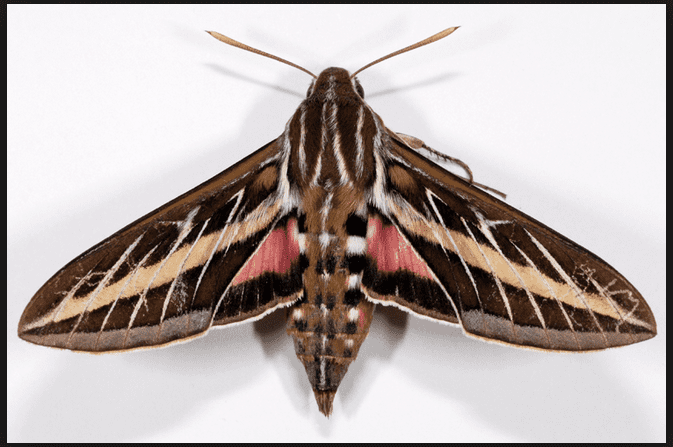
(237, 44)
(439, 35)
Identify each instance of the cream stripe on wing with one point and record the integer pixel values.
(116, 290)
(484, 228)
(551, 293)
(415, 223)
(130, 277)
(496, 278)
(456, 250)
(578, 293)
(51, 317)
(624, 315)
(102, 284)
(185, 228)
(178, 275)
(60, 310)
(239, 196)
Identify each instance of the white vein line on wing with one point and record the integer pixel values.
(551, 293)
(131, 276)
(140, 298)
(219, 301)
(619, 310)
(217, 245)
(51, 317)
(434, 276)
(104, 281)
(616, 308)
(498, 283)
(69, 296)
(205, 266)
(455, 247)
(569, 281)
(485, 229)
(177, 276)
(258, 168)
(234, 236)
(185, 228)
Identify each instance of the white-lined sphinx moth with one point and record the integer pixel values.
(337, 214)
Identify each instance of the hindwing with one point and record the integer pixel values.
(462, 256)
(198, 261)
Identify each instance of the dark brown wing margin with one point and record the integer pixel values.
(509, 277)
(163, 278)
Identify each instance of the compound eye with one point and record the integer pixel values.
(310, 89)
(359, 89)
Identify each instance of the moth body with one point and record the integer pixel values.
(326, 137)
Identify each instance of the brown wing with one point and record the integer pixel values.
(173, 273)
(499, 273)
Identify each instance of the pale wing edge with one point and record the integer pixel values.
(510, 278)
(166, 276)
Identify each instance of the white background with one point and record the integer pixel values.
(114, 110)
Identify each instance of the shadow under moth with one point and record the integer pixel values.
(337, 214)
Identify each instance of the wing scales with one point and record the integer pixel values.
(508, 277)
(395, 274)
(167, 276)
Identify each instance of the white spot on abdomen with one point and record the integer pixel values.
(356, 245)
(325, 239)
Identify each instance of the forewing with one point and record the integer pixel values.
(173, 273)
(472, 259)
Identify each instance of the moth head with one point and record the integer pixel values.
(335, 83)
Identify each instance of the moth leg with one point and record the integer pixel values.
(417, 144)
